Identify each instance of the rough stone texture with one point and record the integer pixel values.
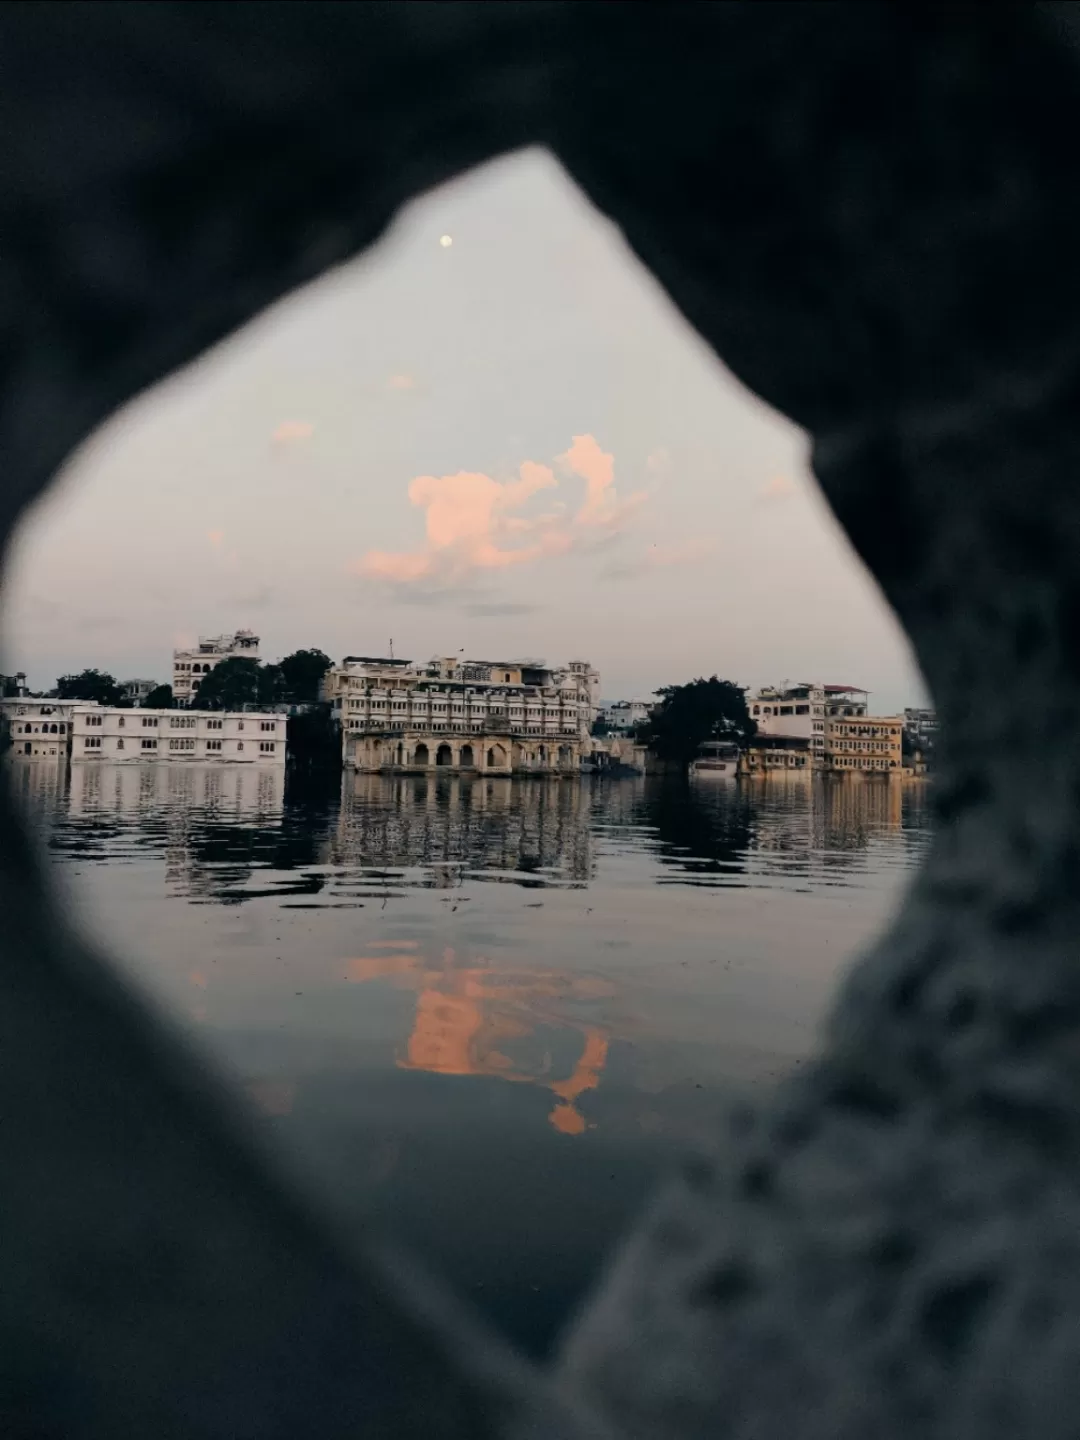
(870, 211)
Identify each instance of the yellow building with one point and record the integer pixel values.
(867, 743)
(767, 754)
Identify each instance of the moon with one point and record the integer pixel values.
(446, 241)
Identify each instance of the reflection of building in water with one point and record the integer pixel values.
(214, 825)
(791, 824)
(472, 1020)
(852, 806)
(456, 823)
(240, 790)
(37, 783)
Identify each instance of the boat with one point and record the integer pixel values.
(716, 759)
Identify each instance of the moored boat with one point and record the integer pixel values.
(716, 759)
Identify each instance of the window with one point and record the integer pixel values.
(212, 745)
(148, 721)
(213, 724)
(92, 742)
(149, 744)
(121, 722)
(185, 742)
(182, 722)
(93, 719)
(240, 744)
(270, 725)
(267, 747)
(120, 744)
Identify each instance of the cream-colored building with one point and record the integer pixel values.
(99, 732)
(502, 716)
(191, 667)
(40, 728)
(833, 722)
(802, 710)
(623, 716)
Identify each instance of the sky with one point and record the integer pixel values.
(492, 433)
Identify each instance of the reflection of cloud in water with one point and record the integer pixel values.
(470, 1020)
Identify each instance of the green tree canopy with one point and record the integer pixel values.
(89, 685)
(237, 682)
(160, 698)
(302, 674)
(688, 715)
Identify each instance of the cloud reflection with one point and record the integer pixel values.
(471, 1019)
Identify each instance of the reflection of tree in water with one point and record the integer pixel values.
(221, 853)
(799, 827)
(524, 831)
(703, 830)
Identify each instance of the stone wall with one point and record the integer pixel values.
(869, 213)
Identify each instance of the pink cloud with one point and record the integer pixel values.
(401, 382)
(290, 431)
(473, 523)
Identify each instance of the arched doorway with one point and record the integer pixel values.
(565, 755)
(400, 753)
(496, 758)
(421, 755)
(543, 754)
(467, 761)
(444, 755)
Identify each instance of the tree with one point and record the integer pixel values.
(8, 686)
(302, 674)
(240, 681)
(89, 685)
(688, 715)
(160, 698)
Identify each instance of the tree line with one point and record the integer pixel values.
(232, 684)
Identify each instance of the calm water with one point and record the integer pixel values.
(485, 1014)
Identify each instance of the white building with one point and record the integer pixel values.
(191, 667)
(802, 710)
(467, 697)
(40, 728)
(99, 732)
(137, 690)
(14, 685)
(623, 716)
(921, 725)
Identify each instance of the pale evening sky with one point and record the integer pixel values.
(511, 444)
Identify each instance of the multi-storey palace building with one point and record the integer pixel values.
(503, 717)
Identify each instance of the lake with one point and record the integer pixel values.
(483, 1014)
